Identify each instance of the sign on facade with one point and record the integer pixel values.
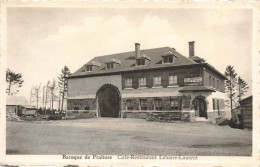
(193, 81)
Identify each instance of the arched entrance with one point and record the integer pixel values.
(200, 106)
(108, 101)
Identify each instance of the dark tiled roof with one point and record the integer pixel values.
(196, 88)
(128, 61)
(247, 98)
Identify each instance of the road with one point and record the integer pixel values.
(113, 136)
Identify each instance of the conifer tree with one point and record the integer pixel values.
(242, 87)
(230, 84)
(12, 79)
(63, 83)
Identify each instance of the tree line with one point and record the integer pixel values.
(42, 95)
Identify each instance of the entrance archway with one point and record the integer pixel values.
(200, 106)
(108, 101)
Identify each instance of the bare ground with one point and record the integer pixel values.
(126, 136)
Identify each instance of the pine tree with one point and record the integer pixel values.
(230, 84)
(242, 87)
(13, 79)
(63, 83)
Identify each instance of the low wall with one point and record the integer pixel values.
(81, 114)
(162, 116)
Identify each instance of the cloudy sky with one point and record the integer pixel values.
(40, 41)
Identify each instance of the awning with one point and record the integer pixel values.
(196, 88)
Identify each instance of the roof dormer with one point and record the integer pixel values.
(90, 66)
(111, 64)
(168, 57)
(141, 59)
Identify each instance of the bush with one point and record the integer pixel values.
(236, 122)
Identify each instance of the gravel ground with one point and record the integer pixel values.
(113, 136)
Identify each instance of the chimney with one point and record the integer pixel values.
(191, 48)
(137, 50)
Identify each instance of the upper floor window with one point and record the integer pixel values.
(129, 105)
(128, 83)
(172, 80)
(141, 62)
(210, 81)
(143, 104)
(76, 108)
(86, 108)
(168, 59)
(158, 104)
(110, 65)
(213, 80)
(217, 84)
(157, 81)
(89, 68)
(142, 82)
(175, 104)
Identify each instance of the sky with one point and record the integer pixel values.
(41, 41)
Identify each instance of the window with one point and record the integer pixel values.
(168, 59)
(213, 82)
(209, 80)
(76, 108)
(157, 81)
(89, 68)
(141, 62)
(175, 104)
(173, 80)
(142, 82)
(143, 104)
(86, 108)
(129, 105)
(214, 107)
(158, 104)
(128, 83)
(110, 65)
(217, 84)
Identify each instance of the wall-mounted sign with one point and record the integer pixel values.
(193, 81)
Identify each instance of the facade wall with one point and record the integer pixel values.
(184, 72)
(82, 88)
(208, 73)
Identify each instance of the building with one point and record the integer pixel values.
(246, 111)
(154, 83)
(18, 105)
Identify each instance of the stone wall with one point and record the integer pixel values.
(167, 116)
(138, 115)
(81, 103)
(81, 114)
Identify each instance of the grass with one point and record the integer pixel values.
(126, 136)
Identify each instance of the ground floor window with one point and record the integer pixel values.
(158, 104)
(129, 105)
(143, 104)
(175, 104)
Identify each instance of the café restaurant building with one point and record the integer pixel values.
(155, 84)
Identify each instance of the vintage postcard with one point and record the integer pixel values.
(129, 84)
